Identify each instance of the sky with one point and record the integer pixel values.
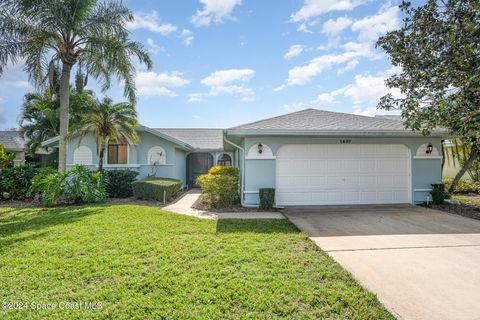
(221, 63)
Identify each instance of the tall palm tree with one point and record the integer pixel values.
(85, 32)
(110, 122)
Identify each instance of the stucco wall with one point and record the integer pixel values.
(261, 173)
(175, 166)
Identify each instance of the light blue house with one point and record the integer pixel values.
(311, 157)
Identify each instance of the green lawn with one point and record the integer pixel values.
(144, 263)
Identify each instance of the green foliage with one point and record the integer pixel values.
(109, 122)
(78, 185)
(49, 185)
(463, 186)
(84, 186)
(437, 49)
(438, 193)
(224, 170)
(118, 183)
(267, 198)
(15, 181)
(220, 186)
(156, 188)
(6, 158)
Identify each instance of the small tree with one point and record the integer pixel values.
(6, 158)
(438, 50)
(109, 122)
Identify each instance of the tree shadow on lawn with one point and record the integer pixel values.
(256, 226)
(37, 219)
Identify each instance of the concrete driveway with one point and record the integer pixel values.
(421, 263)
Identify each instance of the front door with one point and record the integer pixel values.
(198, 164)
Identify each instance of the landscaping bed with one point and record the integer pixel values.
(464, 205)
(200, 205)
(138, 262)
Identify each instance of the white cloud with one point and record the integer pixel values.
(334, 27)
(226, 82)
(300, 75)
(150, 21)
(153, 47)
(314, 8)
(370, 28)
(288, 108)
(186, 36)
(196, 117)
(14, 76)
(3, 117)
(214, 11)
(293, 51)
(159, 84)
(327, 98)
(349, 66)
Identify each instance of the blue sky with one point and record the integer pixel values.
(220, 63)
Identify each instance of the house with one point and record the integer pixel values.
(311, 157)
(14, 142)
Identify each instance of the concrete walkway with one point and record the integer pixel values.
(185, 203)
(421, 263)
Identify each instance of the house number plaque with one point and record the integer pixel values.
(345, 141)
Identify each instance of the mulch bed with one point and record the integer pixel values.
(199, 205)
(455, 207)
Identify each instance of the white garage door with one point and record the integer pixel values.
(319, 174)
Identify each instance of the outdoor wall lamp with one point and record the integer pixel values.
(429, 149)
(260, 148)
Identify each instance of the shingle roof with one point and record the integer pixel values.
(320, 120)
(207, 139)
(12, 139)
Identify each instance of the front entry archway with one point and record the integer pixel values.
(197, 164)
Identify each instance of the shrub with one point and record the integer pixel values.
(118, 183)
(6, 158)
(15, 181)
(463, 186)
(267, 198)
(78, 185)
(224, 170)
(159, 189)
(84, 186)
(220, 186)
(49, 185)
(438, 193)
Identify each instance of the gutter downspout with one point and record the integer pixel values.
(243, 167)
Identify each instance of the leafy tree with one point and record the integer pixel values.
(110, 122)
(86, 32)
(40, 118)
(6, 158)
(438, 50)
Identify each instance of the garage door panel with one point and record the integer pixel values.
(343, 174)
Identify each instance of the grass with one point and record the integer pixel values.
(143, 263)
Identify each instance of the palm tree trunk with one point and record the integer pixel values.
(473, 155)
(64, 103)
(100, 159)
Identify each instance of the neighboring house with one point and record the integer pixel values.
(311, 157)
(14, 142)
(452, 166)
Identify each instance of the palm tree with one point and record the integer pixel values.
(110, 123)
(85, 32)
(40, 118)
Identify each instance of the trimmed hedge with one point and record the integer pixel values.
(267, 198)
(463, 186)
(118, 183)
(15, 181)
(224, 171)
(155, 188)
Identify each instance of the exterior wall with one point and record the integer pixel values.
(19, 158)
(261, 173)
(175, 166)
(452, 166)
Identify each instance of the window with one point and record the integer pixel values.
(118, 152)
(224, 160)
